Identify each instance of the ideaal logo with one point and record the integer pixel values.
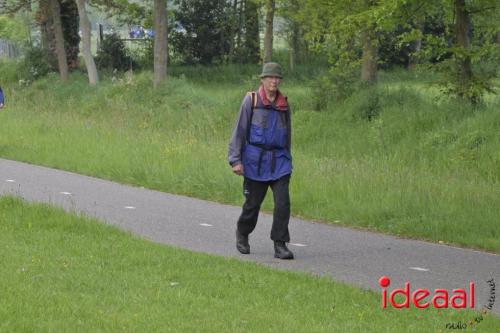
(461, 325)
(440, 298)
(460, 299)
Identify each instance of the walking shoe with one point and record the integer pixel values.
(242, 243)
(281, 251)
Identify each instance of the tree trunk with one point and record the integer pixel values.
(86, 45)
(294, 45)
(46, 23)
(239, 36)
(293, 33)
(161, 41)
(234, 30)
(58, 33)
(28, 22)
(462, 28)
(70, 27)
(369, 58)
(268, 35)
(252, 36)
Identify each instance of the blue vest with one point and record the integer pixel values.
(265, 156)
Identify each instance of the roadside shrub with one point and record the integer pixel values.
(472, 91)
(34, 65)
(334, 86)
(143, 54)
(366, 103)
(9, 70)
(113, 54)
(481, 83)
(322, 93)
(200, 35)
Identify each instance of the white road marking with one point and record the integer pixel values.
(420, 269)
(206, 225)
(10, 181)
(65, 193)
(298, 244)
(129, 207)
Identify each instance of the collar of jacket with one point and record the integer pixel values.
(281, 103)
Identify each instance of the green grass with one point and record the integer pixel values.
(424, 168)
(64, 273)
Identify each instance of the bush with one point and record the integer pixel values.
(203, 38)
(335, 86)
(366, 104)
(113, 54)
(10, 70)
(322, 89)
(34, 65)
(472, 91)
(143, 54)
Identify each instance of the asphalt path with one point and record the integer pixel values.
(352, 256)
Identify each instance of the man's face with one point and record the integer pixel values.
(271, 83)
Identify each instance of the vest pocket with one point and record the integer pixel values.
(283, 153)
(250, 158)
(251, 155)
(278, 138)
(257, 135)
(283, 162)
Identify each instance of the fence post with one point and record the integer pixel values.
(100, 36)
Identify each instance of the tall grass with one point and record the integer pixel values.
(422, 166)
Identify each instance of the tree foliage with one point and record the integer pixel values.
(400, 31)
(459, 38)
(203, 36)
(13, 28)
(125, 11)
(215, 31)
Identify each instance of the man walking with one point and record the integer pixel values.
(260, 152)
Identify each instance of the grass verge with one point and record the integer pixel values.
(64, 273)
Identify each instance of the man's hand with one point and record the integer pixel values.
(238, 169)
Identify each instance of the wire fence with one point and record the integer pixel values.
(9, 50)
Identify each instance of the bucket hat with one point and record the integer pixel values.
(271, 69)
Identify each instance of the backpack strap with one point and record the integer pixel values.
(253, 95)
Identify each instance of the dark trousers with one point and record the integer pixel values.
(255, 192)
